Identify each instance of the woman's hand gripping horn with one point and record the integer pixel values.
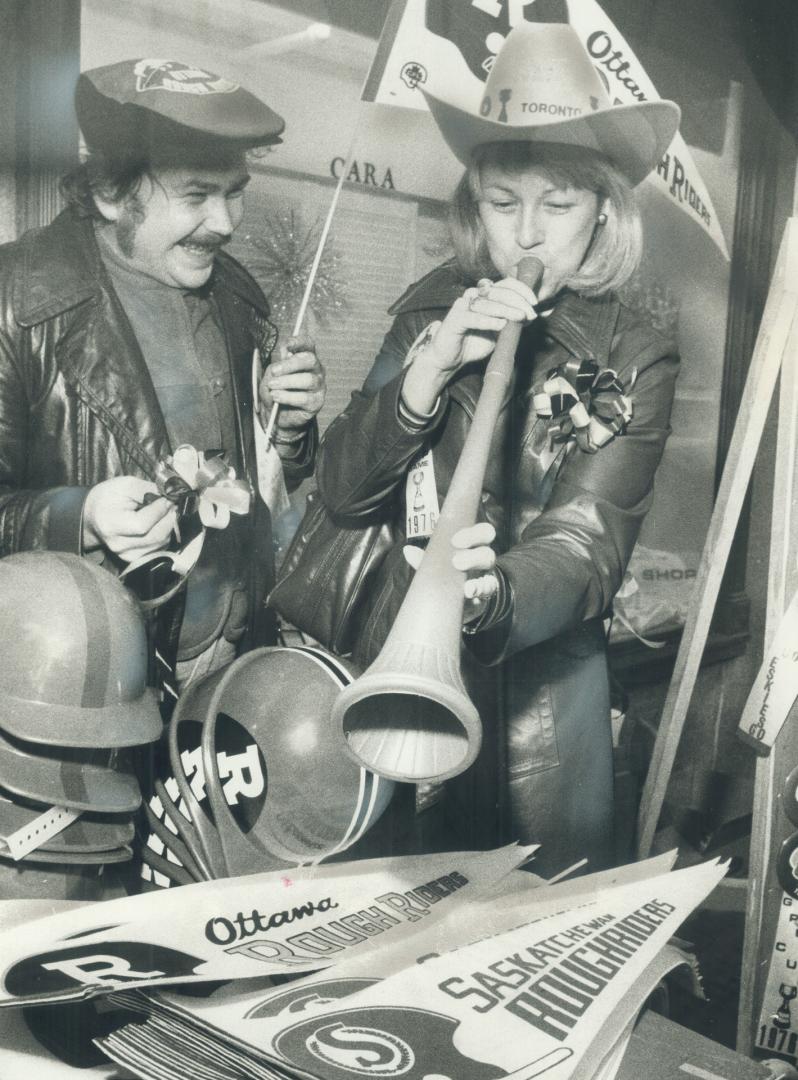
(474, 556)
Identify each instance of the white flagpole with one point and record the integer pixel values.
(316, 261)
(314, 269)
(264, 434)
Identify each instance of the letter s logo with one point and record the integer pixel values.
(361, 1049)
(381, 1041)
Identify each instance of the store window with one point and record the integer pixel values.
(389, 227)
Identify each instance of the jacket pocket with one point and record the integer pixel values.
(531, 735)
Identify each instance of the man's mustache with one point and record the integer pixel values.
(212, 241)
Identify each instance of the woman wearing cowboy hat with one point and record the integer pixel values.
(550, 171)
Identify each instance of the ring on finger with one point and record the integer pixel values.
(483, 286)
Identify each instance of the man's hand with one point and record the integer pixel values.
(116, 517)
(296, 382)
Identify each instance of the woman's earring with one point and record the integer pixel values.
(601, 219)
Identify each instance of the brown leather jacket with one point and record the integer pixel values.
(566, 527)
(77, 405)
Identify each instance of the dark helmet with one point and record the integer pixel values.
(39, 884)
(80, 782)
(74, 655)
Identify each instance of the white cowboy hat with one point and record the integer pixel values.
(543, 87)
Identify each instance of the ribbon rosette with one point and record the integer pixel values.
(203, 479)
(584, 402)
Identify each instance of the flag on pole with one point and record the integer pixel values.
(447, 47)
(410, 56)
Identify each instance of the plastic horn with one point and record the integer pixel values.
(408, 717)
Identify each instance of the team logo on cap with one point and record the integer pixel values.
(179, 78)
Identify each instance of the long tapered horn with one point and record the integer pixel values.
(408, 717)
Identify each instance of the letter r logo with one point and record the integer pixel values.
(72, 970)
(99, 968)
(242, 774)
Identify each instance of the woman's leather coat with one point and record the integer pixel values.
(566, 522)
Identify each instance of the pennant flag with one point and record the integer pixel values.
(514, 982)
(204, 931)
(776, 1032)
(447, 47)
(775, 689)
(409, 57)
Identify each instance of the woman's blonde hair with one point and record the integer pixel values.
(615, 251)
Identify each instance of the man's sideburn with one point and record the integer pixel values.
(128, 225)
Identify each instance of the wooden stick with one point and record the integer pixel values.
(314, 269)
(768, 827)
(565, 873)
(779, 314)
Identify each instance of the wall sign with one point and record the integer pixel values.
(364, 172)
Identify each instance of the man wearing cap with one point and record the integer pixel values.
(126, 331)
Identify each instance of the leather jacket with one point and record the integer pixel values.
(77, 404)
(566, 524)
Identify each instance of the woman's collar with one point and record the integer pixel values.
(584, 325)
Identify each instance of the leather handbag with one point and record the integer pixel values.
(325, 575)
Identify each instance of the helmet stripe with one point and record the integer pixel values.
(98, 633)
(326, 660)
(370, 785)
